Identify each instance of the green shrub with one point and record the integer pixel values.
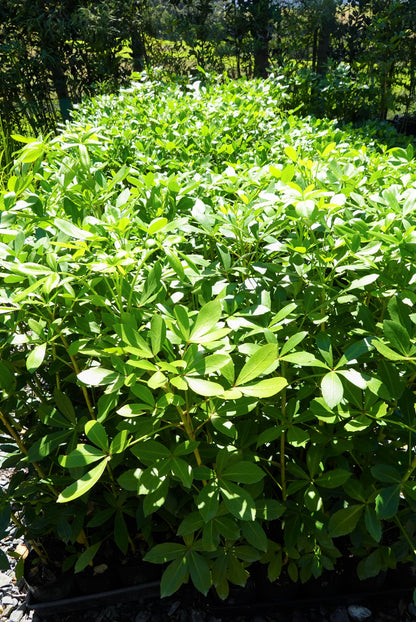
(208, 337)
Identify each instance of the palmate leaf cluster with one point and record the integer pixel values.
(208, 337)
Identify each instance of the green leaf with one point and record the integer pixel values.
(387, 352)
(227, 527)
(36, 358)
(190, 524)
(129, 479)
(243, 473)
(397, 336)
(387, 502)
(254, 534)
(291, 153)
(206, 320)
(165, 552)
(47, 444)
(119, 443)
(297, 437)
(97, 376)
(238, 501)
(157, 225)
(372, 523)
(157, 333)
(64, 405)
(344, 521)
(333, 479)
(182, 319)
(208, 501)
(81, 486)
(292, 342)
(362, 282)
(81, 456)
(258, 363)
(121, 534)
(71, 230)
(182, 470)
(199, 572)
(264, 388)
(332, 389)
(86, 557)
(202, 387)
(149, 451)
(386, 473)
(174, 576)
(96, 433)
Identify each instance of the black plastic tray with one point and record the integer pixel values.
(144, 591)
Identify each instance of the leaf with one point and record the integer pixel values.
(191, 523)
(36, 358)
(121, 534)
(372, 523)
(182, 470)
(254, 534)
(344, 521)
(149, 451)
(97, 376)
(119, 443)
(387, 352)
(292, 342)
(303, 358)
(387, 502)
(332, 389)
(205, 388)
(96, 433)
(86, 557)
(397, 336)
(81, 486)
(243, 473)
(362, 282)
(157, 225)
(47, 444)
(199, 572)
(386, 473)
(207, 318)
(264, 388)
(71, 230)
(166, 552)
(258, 363)
(157, 333)
(333, 479)
(174, 576)
(81, 456)
(208, 501)
(291, 153)
(238, 501)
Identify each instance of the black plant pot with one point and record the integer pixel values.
(46, 581)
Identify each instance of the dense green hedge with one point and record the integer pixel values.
(208, 336)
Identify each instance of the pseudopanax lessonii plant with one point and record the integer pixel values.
(208, 338)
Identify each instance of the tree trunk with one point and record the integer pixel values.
(138, 49)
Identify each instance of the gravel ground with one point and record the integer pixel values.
(188, 606)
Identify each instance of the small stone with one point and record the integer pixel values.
(411, 609)
(298, 617)
(17, 614)
(7, 610)
(196, 616)
(5, 579)
(359, 613)
(9, 600)
(258, 619)
(340, 615)
(142, 616)
(174, 607)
